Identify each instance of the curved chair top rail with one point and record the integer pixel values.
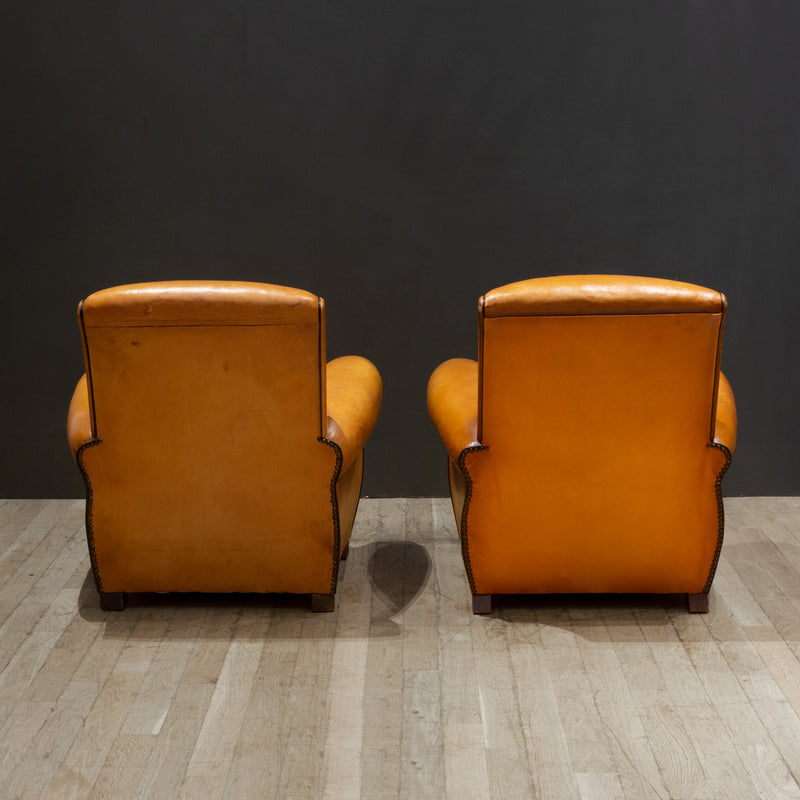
(168, 303)
(600, 294)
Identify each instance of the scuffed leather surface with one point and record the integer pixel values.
(200, 303)
(725, 427)
(354, 394)
(79, 423)
(600, 294)
(210, 474)
(453, 404)
(595, 473)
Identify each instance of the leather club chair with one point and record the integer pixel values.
(588, 442)
(220, 452)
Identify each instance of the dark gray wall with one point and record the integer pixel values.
(399, 159)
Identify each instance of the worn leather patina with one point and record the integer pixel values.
(588, 442)
(220, 452)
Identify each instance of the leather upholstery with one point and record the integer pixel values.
(453, 404)
(587, 444)
(212, 457)
(354, 396)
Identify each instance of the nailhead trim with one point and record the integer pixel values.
(89, 524)
(462, 465)
(90, 496)
(462, 458)
(720, 511)
(337, 539)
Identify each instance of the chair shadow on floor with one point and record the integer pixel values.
(397, 572)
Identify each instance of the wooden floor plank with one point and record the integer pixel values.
(216, 741)
(344, 737)
(620, 670)
(402, 691)
(304, 729)
(116, 665)
(548, 757)
(421, 755)
(162, 776)
(504, 740)
(122, 770)
(463, 742)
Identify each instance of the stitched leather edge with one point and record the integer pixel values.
(462, 465)
(720, 511)
(88, 362)
(717, 366)
(89, 524)
(337, 537)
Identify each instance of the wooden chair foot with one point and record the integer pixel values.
(323, 602)
(481, 604)
(698, 603)
(112, 601)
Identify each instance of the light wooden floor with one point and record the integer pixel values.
(401, 693)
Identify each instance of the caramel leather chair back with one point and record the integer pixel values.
(594, 466)
(208, 467)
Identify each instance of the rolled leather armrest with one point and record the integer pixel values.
(79, 419)
(453, 404)
(726, 423)
(354, 393)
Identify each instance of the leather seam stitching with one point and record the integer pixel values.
(204, 325)
(518, 314)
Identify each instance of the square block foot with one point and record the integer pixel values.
(112, 601)
(323, 602)
(481, 604)
(698, 603)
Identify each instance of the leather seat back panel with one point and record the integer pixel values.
(209, 474)
(597, 471)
